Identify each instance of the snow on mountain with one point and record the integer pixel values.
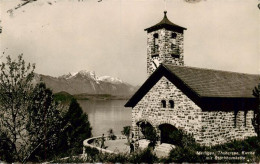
(110, 79)
(85, 73)
(82, 73)
(87, 82)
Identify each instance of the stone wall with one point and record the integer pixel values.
(208, 128)
(164, 51)
(219, 126)
(185, 114)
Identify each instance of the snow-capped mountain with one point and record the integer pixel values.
(88, 83)
(110, 79)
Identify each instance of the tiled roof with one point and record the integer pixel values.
(215, 83)
(165, 22)
(202, 84)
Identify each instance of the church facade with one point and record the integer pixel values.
(214, 106)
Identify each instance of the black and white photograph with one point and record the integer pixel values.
(129, 81)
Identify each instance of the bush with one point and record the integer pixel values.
(92, 154)
(145, 156)
(113, 158)
(183, 154)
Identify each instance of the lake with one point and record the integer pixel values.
(106, 114)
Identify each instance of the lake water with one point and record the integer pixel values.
(106, 114)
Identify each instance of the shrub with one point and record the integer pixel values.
(92, 154)
(145, 156)
(183, 154)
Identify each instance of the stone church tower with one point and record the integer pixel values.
(202, 102)
(164, 44)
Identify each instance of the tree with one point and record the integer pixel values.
(256, 119)
(29, 118)
(44, 124)
(126, 132)
(15, 91)
(78, 129)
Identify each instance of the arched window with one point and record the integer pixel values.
(155, 43)
(167, 84)
(171, 102)
(173, 40)
(163, 103)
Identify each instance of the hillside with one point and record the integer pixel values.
(85, 84)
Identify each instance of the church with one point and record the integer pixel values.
(214, 106)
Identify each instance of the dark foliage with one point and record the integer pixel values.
(145, 156)
(126, 131)
(44, 124)
(78, 129)
(63, 97)
(6, 150)
(183, 154)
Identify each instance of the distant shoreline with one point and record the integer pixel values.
(86, 96)
(66, 97)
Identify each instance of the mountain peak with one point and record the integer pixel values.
(87, 82)
(85, 73)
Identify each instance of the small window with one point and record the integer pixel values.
(174, 35)
(155, 35)
(173, 40)
(171, 102)
(155, 43)
(175, 55)
(235, 118)
(163, 103)
(167, 84)
(245, 118)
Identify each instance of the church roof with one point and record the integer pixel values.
(215, 83)
(165, 23)
(200, 83)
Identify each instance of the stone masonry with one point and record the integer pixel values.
(165, 45)
(164, 51)
(208, 128)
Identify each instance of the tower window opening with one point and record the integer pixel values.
(173, 40)
(156, 46)
(171, 102)
(163, 102)
(175, 55)
(235, 118)
(245, 118)
(174, 35)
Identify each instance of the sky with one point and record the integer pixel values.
(108, 37)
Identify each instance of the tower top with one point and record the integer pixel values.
(166, 23)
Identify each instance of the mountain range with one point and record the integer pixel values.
(86, 82)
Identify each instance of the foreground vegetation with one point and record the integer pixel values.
(34, 126)
(182, 153)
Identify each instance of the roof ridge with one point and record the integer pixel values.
(211, 69)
